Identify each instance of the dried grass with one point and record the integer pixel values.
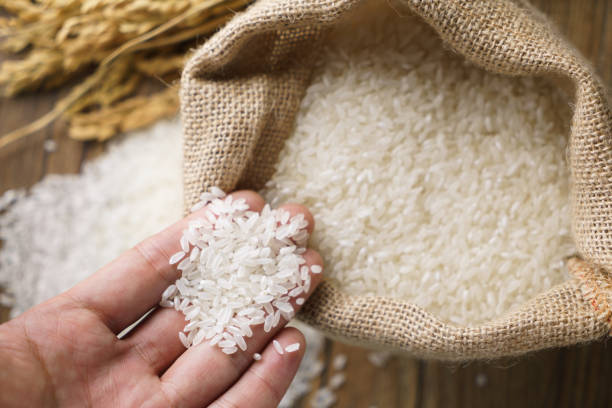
(115, 44)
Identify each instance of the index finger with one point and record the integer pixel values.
(125, 289)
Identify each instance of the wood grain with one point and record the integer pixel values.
(577, 376)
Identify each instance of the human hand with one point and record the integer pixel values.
(65, 351)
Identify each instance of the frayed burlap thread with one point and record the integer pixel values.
(240, 93)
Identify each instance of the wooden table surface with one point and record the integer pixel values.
(579, 376)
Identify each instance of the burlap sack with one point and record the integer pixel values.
(239, 96)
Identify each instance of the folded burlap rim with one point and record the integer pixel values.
(240, 93)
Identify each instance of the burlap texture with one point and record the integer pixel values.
(240, 93)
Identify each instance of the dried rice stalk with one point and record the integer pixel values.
(127, 40)
(124, 116)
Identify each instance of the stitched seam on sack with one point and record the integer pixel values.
(592, 292)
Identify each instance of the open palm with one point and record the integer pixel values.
(65, 352)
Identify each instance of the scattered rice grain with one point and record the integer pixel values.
(292, 347)
(278, 347)
(339, 362)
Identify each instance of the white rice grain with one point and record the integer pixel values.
(292, 347)
(336, 381)
(177, 257)
(229, 350)
(339, 362)
(379, 358)
(278, 347)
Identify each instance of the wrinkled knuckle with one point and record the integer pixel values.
(267, 387)
(223, 402)
(156, 258)
(172, 395)
(149, 353)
